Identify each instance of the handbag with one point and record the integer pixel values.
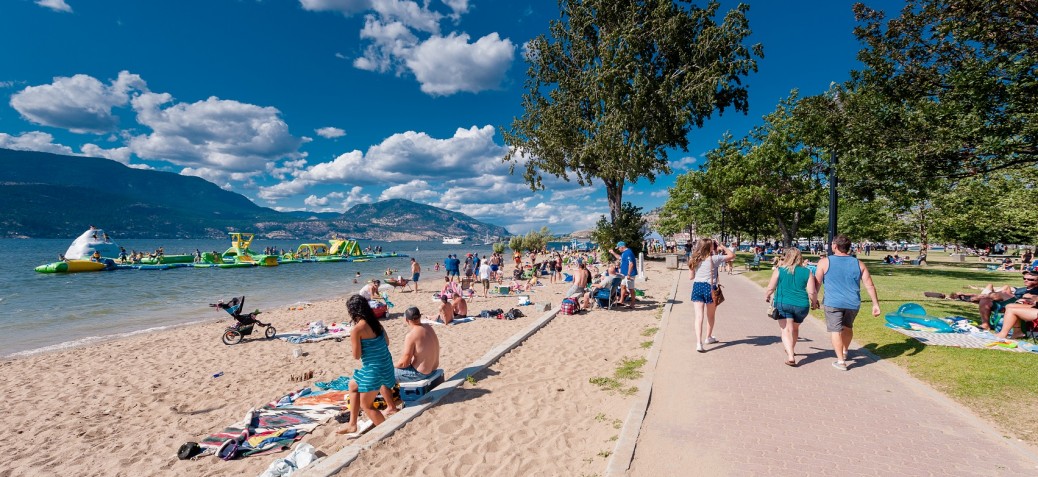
(715, 291)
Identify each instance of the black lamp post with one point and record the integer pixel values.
(833, 180)
(832, 204)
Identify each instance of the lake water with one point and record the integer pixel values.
(40, 312)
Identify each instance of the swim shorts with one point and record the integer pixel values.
(836, 319)
(414, 277)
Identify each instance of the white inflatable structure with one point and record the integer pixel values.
(92, 240)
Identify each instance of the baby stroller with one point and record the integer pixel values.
(235, 333)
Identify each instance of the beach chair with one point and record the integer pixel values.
(753, 264)
(606, 297)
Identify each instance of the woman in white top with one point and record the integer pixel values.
(702, 267)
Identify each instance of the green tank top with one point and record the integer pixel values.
(792, 288)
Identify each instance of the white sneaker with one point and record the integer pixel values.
(710, 340)
(699, 348)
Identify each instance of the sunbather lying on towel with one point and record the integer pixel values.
(991, 299)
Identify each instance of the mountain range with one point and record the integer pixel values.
(54, 196)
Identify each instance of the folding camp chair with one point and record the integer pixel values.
(606, 297)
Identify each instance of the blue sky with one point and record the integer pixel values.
(323, 104)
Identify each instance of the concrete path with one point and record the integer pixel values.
(738, 410)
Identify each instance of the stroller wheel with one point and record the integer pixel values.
(231, 337)
(271, 331)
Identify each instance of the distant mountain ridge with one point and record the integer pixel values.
(53, 196)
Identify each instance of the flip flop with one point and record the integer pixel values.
(791, 363)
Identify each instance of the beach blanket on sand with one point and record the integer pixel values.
(313, 338)
(276, 425)
(979, 340)
(455, 321)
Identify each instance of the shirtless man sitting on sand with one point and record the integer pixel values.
(446, 313)
(580, 281)
(421, 354)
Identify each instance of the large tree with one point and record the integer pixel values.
(619, 82)
(951, 88)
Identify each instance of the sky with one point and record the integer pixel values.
(320, 105)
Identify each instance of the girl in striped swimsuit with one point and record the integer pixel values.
(371, 347)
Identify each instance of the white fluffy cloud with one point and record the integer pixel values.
(33, 141)
(356, 196)
(218, 176)
(390, 41)
(447, 65)
(56, 5)
(330, 132)
(458, 7)
(214, 133)
(80, 103)
(416, 190)
(402, 158)
(443, 65)
(118, 154)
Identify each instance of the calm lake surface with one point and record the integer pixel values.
(40, 312)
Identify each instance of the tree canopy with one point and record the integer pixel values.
(617, 83)
(949, 89)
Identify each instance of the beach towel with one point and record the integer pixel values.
(299, 338)
(455, 321)
(276, 425)
(979, 340)
(341, 383)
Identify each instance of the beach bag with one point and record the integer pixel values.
(717, 294)
(568, 307)
(188, 450)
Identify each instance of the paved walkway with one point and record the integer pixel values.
(738, 410)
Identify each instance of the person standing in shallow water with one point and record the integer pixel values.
(416, 272)
(702, 267)
(793, 288)
(841, 276)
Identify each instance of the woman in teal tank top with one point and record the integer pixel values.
(371, 346)
(793, 287)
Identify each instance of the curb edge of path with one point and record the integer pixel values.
(623, 453)
(335, 463)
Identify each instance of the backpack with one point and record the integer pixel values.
(568, 307)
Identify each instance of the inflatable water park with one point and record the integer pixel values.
(94, 251)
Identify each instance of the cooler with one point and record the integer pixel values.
(415, 390)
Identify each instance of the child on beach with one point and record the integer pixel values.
(371, 346)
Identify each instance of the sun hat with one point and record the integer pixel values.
(412, 313)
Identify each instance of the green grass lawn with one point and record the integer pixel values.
(999, 385)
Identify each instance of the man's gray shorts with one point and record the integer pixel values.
(836, 319)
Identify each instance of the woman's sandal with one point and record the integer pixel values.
(791, 363)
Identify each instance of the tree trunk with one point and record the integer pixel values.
(786, 233)
(614, 194)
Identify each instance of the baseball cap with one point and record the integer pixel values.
(412, 313)
(621, 244)
(1030, 272)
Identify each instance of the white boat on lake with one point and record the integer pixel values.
(453, 240)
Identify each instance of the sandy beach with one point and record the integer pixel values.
(124, 407)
